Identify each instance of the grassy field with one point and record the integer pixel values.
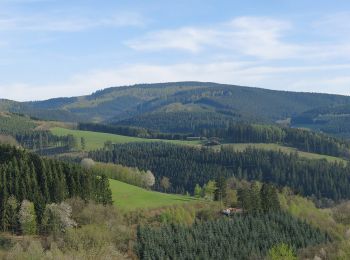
(96, 140)
(129, 197)
(276, 147)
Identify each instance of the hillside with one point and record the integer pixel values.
(285, 149)
(187, 102)
(96, 140)
(333, 120)
(129, 197)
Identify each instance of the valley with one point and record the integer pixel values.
(175, 162)
(174, 130)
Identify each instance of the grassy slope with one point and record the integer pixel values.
(95, 140)
(129, 197)
(276, 147)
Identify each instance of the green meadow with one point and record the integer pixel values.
(96, 140)
(129, 197)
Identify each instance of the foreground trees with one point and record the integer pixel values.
(243, 237)
(28, 183)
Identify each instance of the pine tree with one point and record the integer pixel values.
(221, 184)
(198, 191)
(83, 143)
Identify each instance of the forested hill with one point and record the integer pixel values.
(201, 101)
(25, 176)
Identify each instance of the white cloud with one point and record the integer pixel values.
(253, 36)
(262, 38)
(188, 39)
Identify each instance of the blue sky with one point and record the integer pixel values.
(51, 48)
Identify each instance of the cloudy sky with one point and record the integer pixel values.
(51, 48)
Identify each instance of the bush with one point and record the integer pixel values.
(178, 215)
(281, 251)
(92, 238)
(27, 218)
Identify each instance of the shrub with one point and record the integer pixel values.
(27, 218)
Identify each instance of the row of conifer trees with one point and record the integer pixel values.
(25, 176)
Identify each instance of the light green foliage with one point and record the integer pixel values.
(178, 215)
(209, 190)
(341, 213)
(281, 252)
(95, 140)
(305, 209)
(11, 212)
(198, 191)
(27, 218)
(231, 198)
(117, 172)
(130, 197)
(90, 237)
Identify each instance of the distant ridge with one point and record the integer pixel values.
(190, 99)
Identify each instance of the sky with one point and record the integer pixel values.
(53, 48)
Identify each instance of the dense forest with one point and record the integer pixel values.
(131, 131)
(187, 166)
(242, 237)
(303, 140)
(220, 100)
(185, 122)
(25, 176)
(329, 119)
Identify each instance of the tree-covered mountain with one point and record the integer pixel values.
(186, 102)
(329, 119)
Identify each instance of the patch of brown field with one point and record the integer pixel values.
(47, 125)
(6, 139)
(4, 114)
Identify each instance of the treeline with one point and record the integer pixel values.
(187, 166)
(22, 128)
(304, 140)
(243, 237)
(42, 140)
(27, 177)
(259, 198)
(130, 131)
(179, 122)
(129, 175)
